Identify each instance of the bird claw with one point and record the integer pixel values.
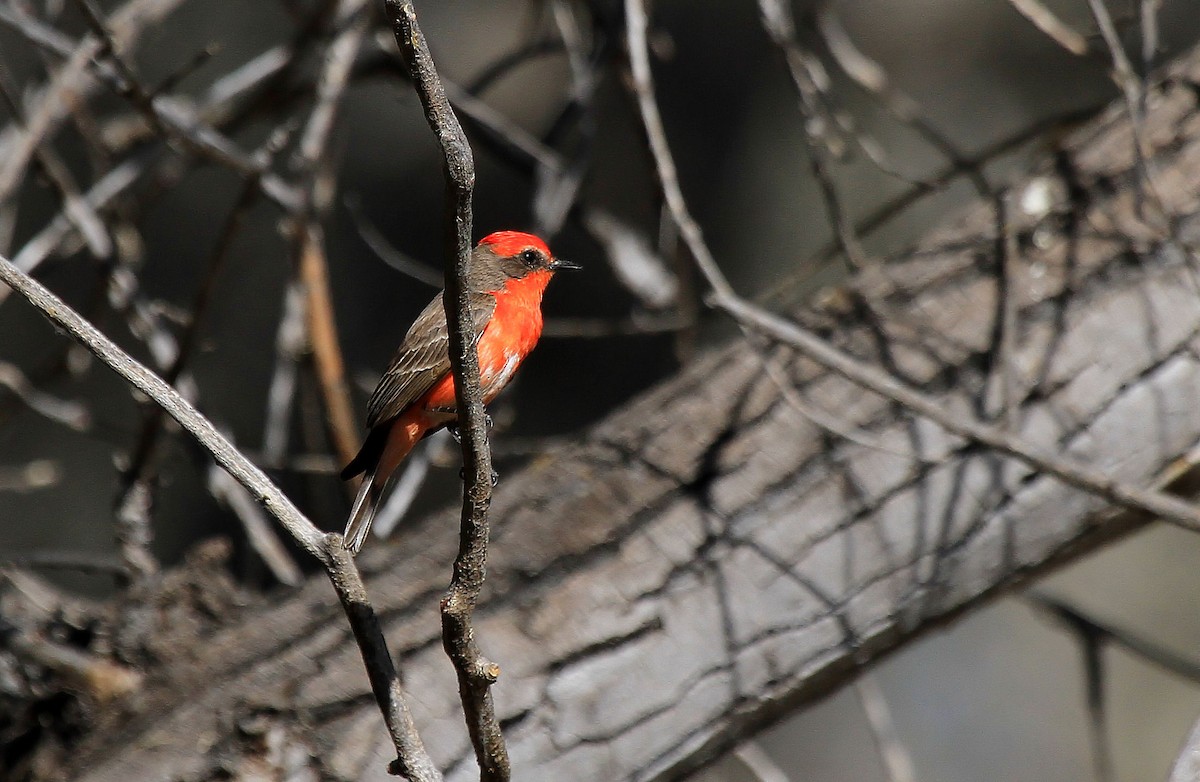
(495, 477)
(456, 433)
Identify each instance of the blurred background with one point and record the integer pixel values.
(998, 696)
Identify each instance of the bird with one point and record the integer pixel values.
(508, 275)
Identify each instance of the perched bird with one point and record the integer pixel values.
(415, 396)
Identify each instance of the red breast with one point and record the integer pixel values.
(507, 339)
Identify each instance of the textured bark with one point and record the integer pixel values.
(708, 559)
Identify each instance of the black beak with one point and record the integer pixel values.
(559, 264)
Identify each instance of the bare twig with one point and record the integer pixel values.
(173, 118)
(633, 259)
(872, 77)
(1131, 91)
(258, 530)
(386, 251)
(643, 85)
(90, 226)
(83, 561)
(475, 674)
(761, 765)
(32, 476)
(777, 20)
(412, 759)
(134, 532)
(897, 761)
(289, 347)
(102, 679)
(1091, 640)
(64, 411)
(1058, 30)
(173, 371)
(1149, 501)
(1074, 618)
(323, 339)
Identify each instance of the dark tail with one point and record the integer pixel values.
(367, 501)
(385, 448)
(369, 454)
(362, 514)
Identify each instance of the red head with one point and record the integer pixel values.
(513, 242)
(505, 255)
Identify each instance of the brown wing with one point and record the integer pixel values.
(422, 360)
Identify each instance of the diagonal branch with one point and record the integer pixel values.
(412, 759)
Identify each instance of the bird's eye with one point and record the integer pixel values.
(531, 257)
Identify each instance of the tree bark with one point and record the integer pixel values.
(708, 558)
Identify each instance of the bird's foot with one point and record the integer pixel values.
(495, 477)
(456, 433)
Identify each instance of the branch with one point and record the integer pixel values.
(1148, 501)
(475, 673)
(412, 759)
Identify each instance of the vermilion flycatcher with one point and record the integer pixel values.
(415, 396)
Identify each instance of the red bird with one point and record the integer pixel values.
(415, 396)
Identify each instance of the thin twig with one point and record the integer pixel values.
(1058, 30)
(872, 77)
(323, 340)
(777, 20)
(1149, 501)
(90, 226)
(32, 476)
(83, 561)
(643, 85)
(67, 412)
(897, 760)
(386, 251)
(1131, 91)
(1091, 638)
(258, 530)
(475, 674)
(173, 118)
(102, 679)
(176, 406)
(147, 442)
(761, 765)
(290, 341)
(1144, 648)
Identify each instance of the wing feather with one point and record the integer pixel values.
(422, 359)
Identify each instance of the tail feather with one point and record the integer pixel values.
(385, 448)
(363, 513)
